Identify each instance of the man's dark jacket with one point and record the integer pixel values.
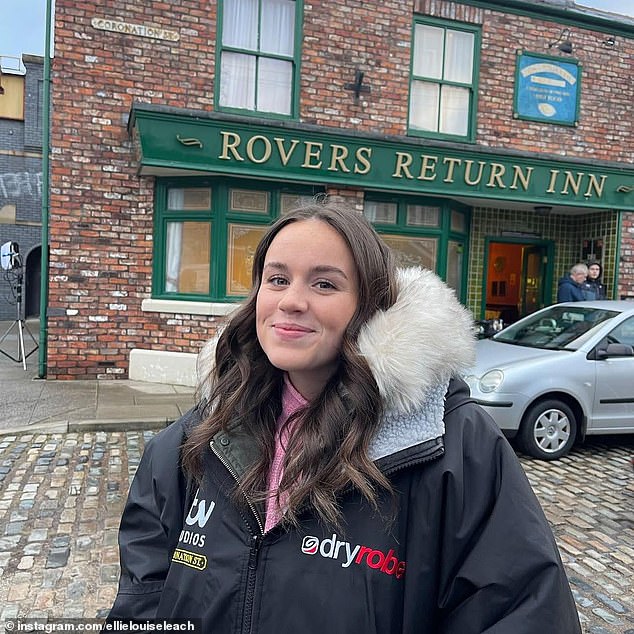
(569, 291)
(462, 548)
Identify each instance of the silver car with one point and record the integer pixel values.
(560, 374)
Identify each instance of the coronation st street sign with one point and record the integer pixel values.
(176, 142)
(142, 30)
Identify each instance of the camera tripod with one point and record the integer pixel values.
(21, 326)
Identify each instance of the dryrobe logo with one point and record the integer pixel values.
(333, 548)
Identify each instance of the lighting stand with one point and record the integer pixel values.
(21, 325)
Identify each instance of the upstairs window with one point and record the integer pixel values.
(12, 97)
(443, 81)
(259, 56)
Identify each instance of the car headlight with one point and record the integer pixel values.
(491, 381)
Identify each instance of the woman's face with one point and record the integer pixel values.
(307, 297)
(594, 271)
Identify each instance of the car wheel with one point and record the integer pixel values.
(548, 430)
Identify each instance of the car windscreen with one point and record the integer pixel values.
(556, 328)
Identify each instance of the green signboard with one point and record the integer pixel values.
(174, 142)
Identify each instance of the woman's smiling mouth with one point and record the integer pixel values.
(291, 331)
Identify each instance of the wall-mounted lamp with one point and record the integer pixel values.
(609, 41)
(563, 42)
(542, 210)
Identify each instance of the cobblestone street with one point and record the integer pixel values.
(62, 497)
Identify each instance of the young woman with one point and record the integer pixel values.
(335, 476)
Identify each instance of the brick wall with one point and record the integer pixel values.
(102, 212)
(343, 36)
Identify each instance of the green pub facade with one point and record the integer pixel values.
(488, 141)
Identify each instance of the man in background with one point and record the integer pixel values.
(570, 288)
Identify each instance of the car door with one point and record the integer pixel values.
(614, 396)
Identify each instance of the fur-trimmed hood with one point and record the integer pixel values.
(421, 341)
(413, 349)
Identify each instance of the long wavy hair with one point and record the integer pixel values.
(328, 450)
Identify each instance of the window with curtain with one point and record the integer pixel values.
(206, 233)
(443, 79)
(258, 56)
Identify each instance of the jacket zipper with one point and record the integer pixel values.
(428, 456)
(253, 550)
(229, 468)
(248, 602)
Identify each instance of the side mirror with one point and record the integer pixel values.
(614, 350)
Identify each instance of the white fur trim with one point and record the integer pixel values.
(420, 342)
(205, 362)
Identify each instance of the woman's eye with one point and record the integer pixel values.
(325, 285)
(277, 280)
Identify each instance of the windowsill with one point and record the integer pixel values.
(220, 309)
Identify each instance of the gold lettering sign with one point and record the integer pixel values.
(142, 30)
(337, 157)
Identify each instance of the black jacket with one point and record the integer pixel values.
(463, 547)
(593, 289)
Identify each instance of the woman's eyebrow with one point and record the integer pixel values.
(326, 268)
(319, 268)
(276, 265)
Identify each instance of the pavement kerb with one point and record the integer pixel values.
(64, 427)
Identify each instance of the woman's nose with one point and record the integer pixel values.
(293, 299)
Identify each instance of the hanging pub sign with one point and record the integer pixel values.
(547, 89)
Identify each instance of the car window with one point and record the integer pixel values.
(555, 328)
(623, 333)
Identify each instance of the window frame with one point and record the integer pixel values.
(443, 233)
(295, 60)
(446, 25)
(220, 217)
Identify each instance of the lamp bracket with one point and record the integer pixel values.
(357, 86)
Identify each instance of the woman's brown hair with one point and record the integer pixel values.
(328, 450)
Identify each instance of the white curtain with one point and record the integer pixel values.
(278, 27)
(459, 56)
(240, 24)
(275, 85)
(454, 110)
(423, 109)
(237, 80)
(241, 72)
(428, 50)
(173, 253)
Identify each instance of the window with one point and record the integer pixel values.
(258, 56)
(444, 70)
(12, 99)
(206, 233)
(429, 233)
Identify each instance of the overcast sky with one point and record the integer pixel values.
(22, 25)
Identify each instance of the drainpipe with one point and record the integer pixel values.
(43, 343)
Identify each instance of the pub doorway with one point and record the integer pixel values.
(517, 277)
